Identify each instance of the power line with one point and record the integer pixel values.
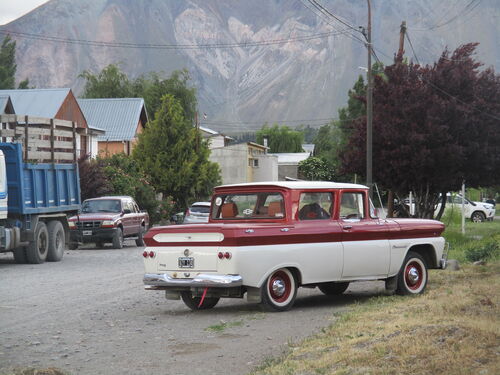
(473, 4)
(322, 9)
(95, 43)
(266, 121)
(424, 80)
(322, 16)
(411, 45)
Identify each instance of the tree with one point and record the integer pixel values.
(127, 178)
(433, 126)
(316, 169)
(93, 181)
(152, 87)
(173, 156)
(280, 138)
(111, 82)
(8, 65)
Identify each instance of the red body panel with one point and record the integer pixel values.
(289, 230)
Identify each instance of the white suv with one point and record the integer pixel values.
(476, 211)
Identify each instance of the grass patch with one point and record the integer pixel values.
(223, 325)
(454, 328)
(481, 241)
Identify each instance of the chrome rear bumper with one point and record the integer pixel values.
(163, 281)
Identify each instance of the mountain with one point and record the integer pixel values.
(242, 86)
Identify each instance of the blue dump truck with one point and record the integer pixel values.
(39, 187)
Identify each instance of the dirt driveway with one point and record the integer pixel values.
(89, 314)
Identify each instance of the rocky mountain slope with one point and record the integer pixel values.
(240, 86)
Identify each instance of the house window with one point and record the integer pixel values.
(253, 163)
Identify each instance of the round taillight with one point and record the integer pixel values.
(227, 255)
(145, 254)
(152, 254)
(220, 255)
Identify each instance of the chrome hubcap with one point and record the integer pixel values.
(413, 275)
(278, 287)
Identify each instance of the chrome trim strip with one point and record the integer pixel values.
(201, 280)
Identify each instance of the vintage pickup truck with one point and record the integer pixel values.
(267, 239)
(108, 219)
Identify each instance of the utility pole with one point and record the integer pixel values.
(401, 49)
(399, 59)
(369, 102)
(197, 126)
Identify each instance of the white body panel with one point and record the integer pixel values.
(316, 262)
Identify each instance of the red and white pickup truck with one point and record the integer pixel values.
(267, 239)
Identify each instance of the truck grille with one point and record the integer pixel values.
(88, 224)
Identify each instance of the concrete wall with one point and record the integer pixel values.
(287, 170)
(232, 161)
(267, 170)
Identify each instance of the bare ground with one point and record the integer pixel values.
(89, 314)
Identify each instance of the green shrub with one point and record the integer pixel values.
(483, 250)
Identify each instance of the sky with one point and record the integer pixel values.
(12, 9)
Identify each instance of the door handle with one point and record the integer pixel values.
(285, 229)
(345, 227)
(249, 231)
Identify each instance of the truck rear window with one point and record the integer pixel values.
(247, 206)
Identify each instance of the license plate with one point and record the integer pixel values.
(87, 233)
(186, 262)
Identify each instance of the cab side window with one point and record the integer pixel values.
(128, 205)
(315, 206)
(352, 206)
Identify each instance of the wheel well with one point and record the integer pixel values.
(296, 274)
(427, 252)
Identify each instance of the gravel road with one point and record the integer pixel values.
(89, 314)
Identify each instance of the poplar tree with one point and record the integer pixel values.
(172, 154)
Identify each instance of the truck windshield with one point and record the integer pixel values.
(101, 205)
(237, 206)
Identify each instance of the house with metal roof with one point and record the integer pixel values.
(123, 119)
(6, 107)
(214, 138)
(59, 103)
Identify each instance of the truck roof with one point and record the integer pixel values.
(298, 185)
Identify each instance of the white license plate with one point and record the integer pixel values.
(186, 262)
(87, 233)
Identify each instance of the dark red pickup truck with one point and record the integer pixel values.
(108, 219)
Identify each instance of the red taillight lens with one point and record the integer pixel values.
(152, 254)
(145, 254)
(220, 255)
(227, 255)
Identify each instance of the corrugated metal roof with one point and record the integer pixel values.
(37, 102)
(118, 117)
(4, 103)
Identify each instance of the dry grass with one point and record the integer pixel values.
(454, 328)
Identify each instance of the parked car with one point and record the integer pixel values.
(475, 211)
(264, 240)
(197, 213)
(108, 219)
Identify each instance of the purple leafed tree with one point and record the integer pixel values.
(434, 127)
